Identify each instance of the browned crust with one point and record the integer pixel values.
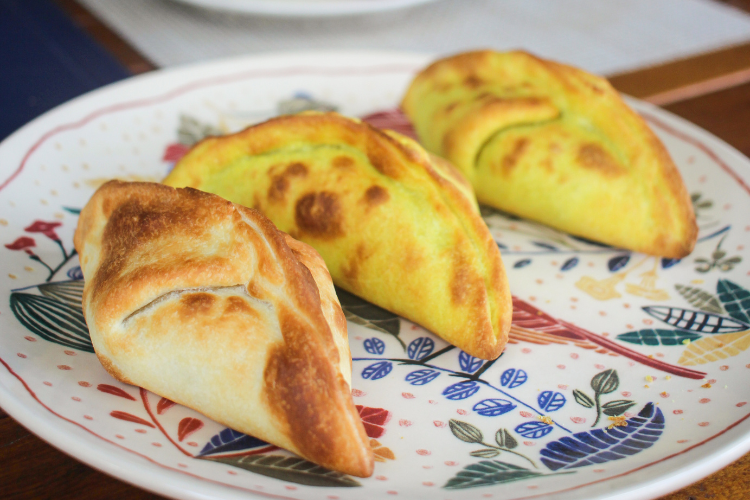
(302, 370)
(472, 69)
(319, 217)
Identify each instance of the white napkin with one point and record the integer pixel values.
(602, 36)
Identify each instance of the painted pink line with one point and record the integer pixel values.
(33, 395)
(144, 398)
(208, 82)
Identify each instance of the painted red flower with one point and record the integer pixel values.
(175, 152)
(22, 243)
(46, 228)
(374, 419)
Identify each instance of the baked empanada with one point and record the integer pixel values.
(555, 144)
(206, 303)
(395, 226)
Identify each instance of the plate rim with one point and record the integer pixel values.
(303, 9)
(143, 475)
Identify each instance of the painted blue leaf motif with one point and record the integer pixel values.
(230, 441)
(74, 211)
(667, 263)
(695, 321)
(534, 430)
(512, 378)
(461, 390)
(374, 346)
(469, 363)
(75, 273)
(569, 264)
(377, 370)
(522, 263)
(547, 246)
(618, 262)
(501, 246)
(736, 300)
(551, 401)
(604, 445)
(420, 348)
(493, 407)
(422, 377)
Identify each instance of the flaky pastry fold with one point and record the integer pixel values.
(206, 303)
(395, 225)
(555, 144)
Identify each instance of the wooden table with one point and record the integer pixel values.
(711, 90)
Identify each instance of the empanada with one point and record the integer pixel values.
(206, 303)
(555, 144)
(394, 225)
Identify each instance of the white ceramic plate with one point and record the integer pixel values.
(601, 325)
(305, 8)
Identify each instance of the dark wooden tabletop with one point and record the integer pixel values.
(711, 90)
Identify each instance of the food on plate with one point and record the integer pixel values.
(395, 225)
(555, 144)
(206, 303)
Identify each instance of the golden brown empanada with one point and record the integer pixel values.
(206, 303)
(395, 226)
(555, 144)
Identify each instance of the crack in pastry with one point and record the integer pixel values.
(208, 304)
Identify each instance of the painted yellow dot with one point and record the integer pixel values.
(59, 215)
(697, 282)
(12, 276)
(3, 222)
(43, 202)
(82, 142)
(686, 341)
(649, 378)
(53, 192)
(58, 146)
(76, 185)
(29, 269)
(85, 166)
(65, 168)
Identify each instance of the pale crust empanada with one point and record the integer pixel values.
(206, 303)
(555, 144)
(395, 225)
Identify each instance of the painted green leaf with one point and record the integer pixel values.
(736, 300)
(69, 292)
(617, 407)
(291, 469)
(369, 315)
(605, 382)
(505, 440)
(52, 320)
(700, 299)
(485, 453)
(487, 473)
(465, 431)
(583, 399)
(658, 337)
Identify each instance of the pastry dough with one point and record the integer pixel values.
(206, 303)
(555, 144)
(395, 226)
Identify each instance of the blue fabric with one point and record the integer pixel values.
(45, 60)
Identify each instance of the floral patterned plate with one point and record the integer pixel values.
(626, 375)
